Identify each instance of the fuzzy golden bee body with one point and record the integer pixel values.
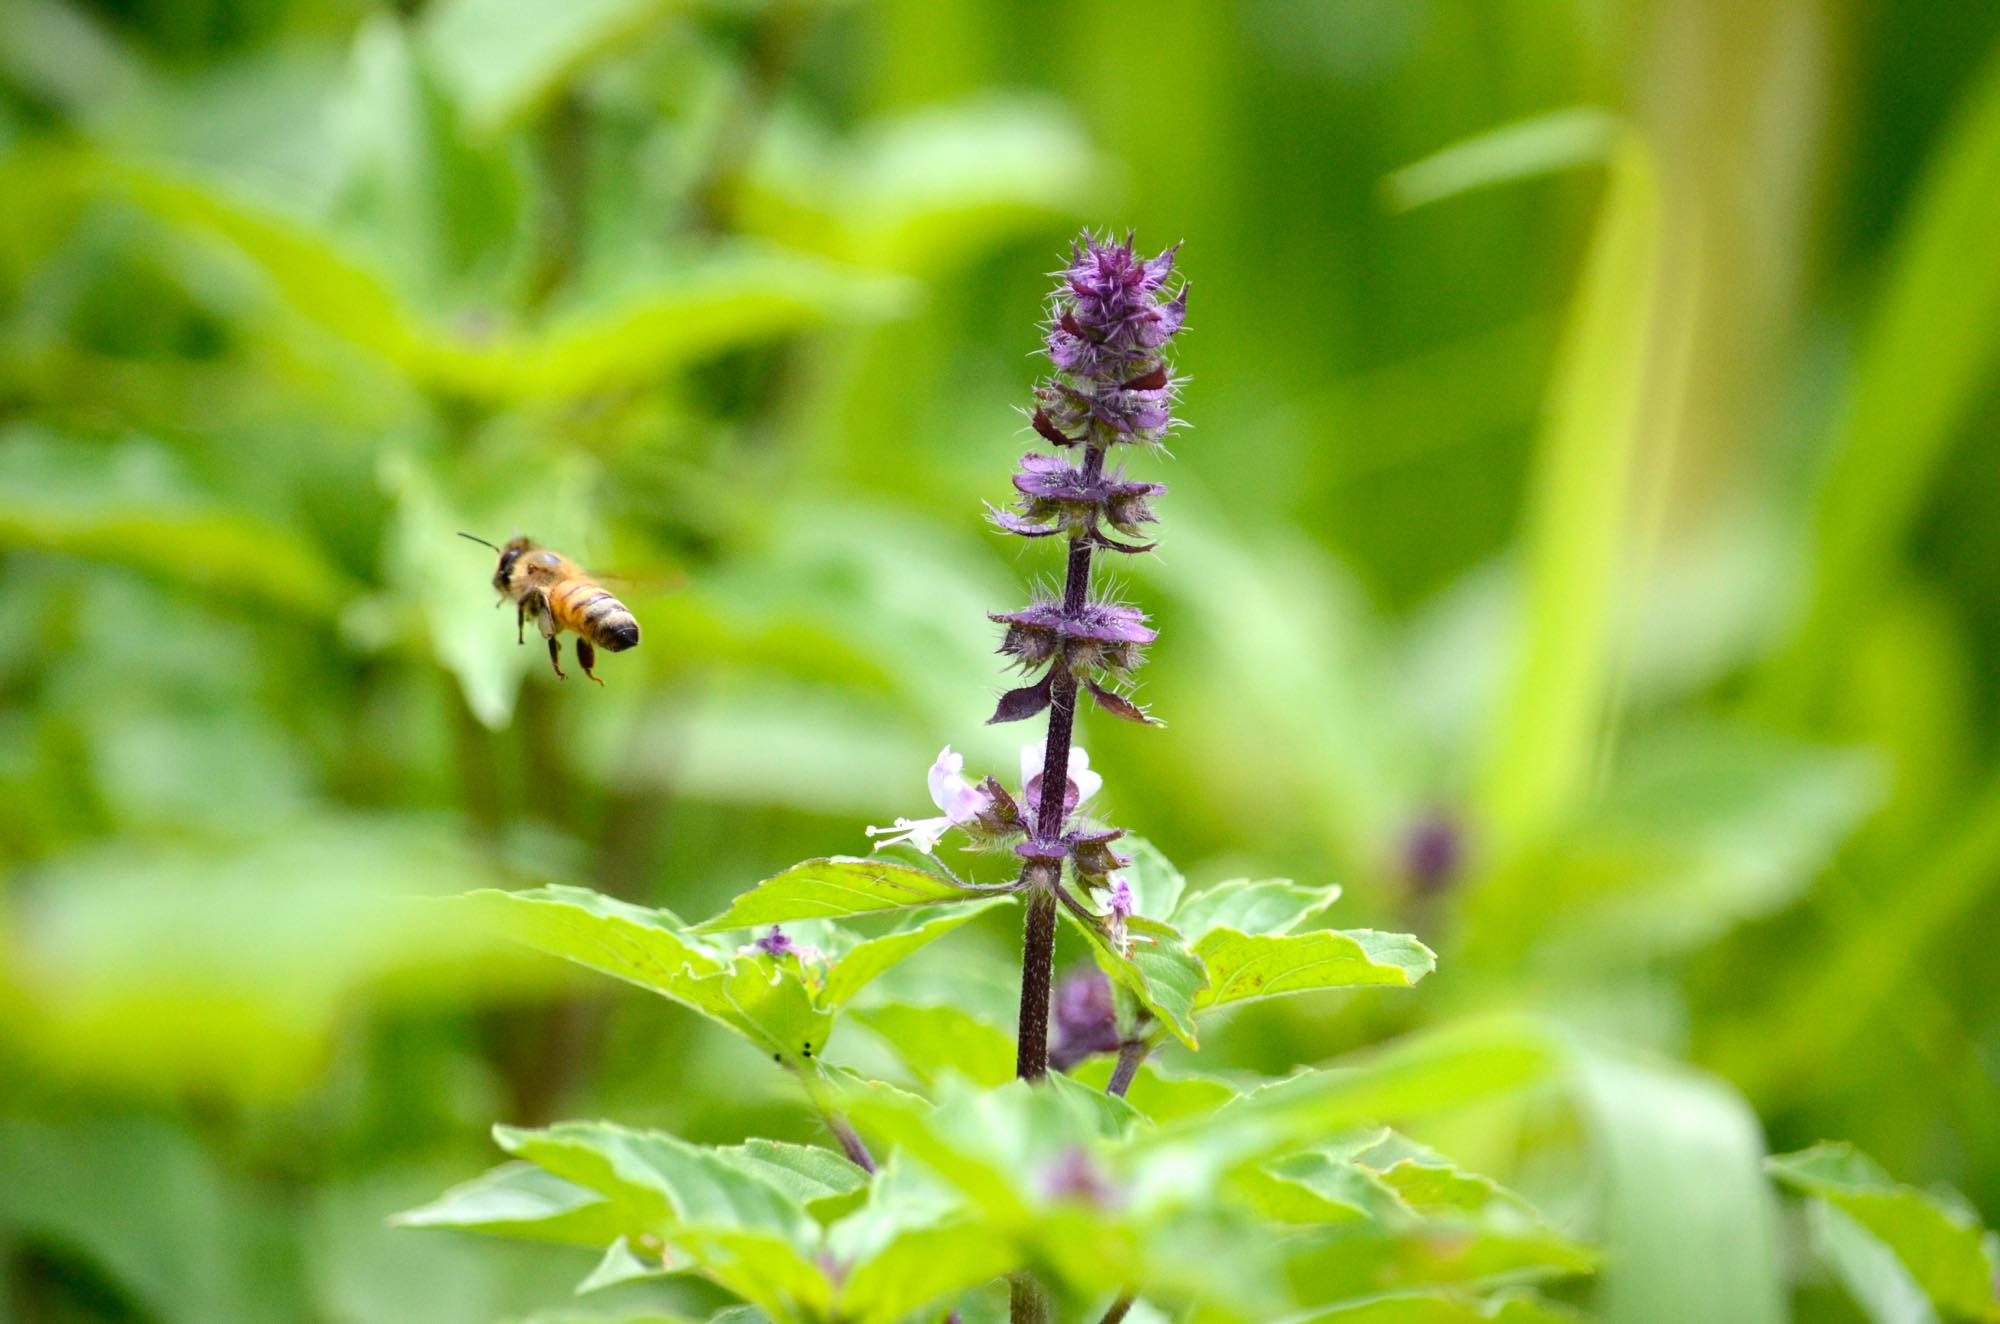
(556, 593)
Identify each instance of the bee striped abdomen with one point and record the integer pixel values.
(592, 612)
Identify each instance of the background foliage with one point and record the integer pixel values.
(1608, 496)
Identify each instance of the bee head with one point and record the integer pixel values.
(508, 555)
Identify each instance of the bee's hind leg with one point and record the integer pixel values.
(586, 657)
(520, 622)
(555, 656)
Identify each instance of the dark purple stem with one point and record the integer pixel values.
(1038, 943)
(1119, 1309)
(1130, 1054)
(851, 1142)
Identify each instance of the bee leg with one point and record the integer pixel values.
(586, 657)
(555, 656)
(520, 622)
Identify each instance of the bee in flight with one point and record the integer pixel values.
(556, 592)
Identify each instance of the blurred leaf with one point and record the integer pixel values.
(930, 1040)
(1926, 355)
(123, 504)
(1158, 1095)
(1544, 144)
(96, 1187)
(435, 570)
(228, 969)
(1940, 1243)
(925, 190)
(1616, 367)
(505, 57)
(1259, 907)
(1242, 967)
(831, 888)
(1158, 970)
(1442, 1308)
(1680, 1156)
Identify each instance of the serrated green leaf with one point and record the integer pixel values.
(834, 888)
(522, 1200)
(1941, 1244)
(1259, 906)
(739, 1225)
(1242, 967)
(769, 1006)
(931, 1040)
(819, 1179)
(854, 968)
(1159, 970)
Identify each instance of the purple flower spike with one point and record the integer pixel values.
(1110, 318)
(775, 943)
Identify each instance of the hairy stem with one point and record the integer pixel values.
(1130, 1054)
(1038, 947)
(1026, 1302)
(1119, 1309)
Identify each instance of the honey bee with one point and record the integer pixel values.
(556, 592)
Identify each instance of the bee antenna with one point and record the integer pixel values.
(476, 538)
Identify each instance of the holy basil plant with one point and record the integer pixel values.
(1023, 1173)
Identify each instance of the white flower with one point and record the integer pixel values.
(961, 801)
(1087, 783)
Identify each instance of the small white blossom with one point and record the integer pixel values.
(961, 801)
(1087, 783)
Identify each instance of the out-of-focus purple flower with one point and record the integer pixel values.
(960, 800)
(775, 943)
(1433, 851)
(1086, 1019)
(1076, 1176)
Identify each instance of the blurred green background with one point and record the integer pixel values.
(1586, 551)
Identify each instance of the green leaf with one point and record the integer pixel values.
(1619, 359)
(834, 888)
(1542, 144)
(1159, 1095)
(854, 968)
(503, 58)
(819, 1179)
(931, 1040)
(770, 1006)
(1242, 967)
(1442, 1308)
(733, 1217)
(124, 505)
(522, 1200)
(920, 1266)
(1159, 971)
(1939, 1242)
(1156, 884)
(1680, 1158)
(1870, 1271)
(622, 1264)
(1924, 366)
(1260, 906)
